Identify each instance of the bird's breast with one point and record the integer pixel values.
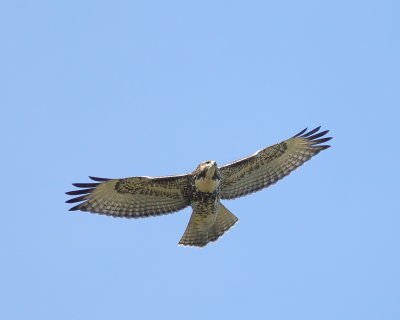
(206, 185)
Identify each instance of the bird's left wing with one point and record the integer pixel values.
(133, 197)
(271, 164)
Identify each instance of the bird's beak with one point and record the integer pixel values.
(211, 170)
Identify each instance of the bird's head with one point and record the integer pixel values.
(207, 169)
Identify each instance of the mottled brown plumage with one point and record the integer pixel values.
(202, 189)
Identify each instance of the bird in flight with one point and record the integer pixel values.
(201, 189)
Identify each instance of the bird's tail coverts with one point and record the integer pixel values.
(198, 233)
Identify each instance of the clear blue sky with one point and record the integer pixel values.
(128, 88)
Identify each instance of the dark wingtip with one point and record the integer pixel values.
(300, 133)
(313, 134)
(85, 185)
(317, 135)
(312, 137)
(309, 133)
(98, 179)
(77, 199)
(79, 191)
(324, 147)
(322, 140)
(87, 189)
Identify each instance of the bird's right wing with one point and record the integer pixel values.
(133, 197)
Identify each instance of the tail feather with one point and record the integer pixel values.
(200, 231)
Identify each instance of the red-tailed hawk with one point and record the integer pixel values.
(202, 189)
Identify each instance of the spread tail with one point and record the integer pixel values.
(199, 232)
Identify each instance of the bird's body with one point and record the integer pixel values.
(202, 189)
(210, 219)
(205, 190)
